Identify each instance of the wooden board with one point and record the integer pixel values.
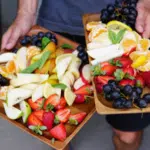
(89, 108)
(103, 106)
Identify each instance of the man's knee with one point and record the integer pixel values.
(129, 137)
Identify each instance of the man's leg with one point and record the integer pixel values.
(127, 140)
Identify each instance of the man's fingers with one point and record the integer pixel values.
(6, 38)
(140, 18)
(13, 39)
(146, 33)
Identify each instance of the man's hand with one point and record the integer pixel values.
(143, 18)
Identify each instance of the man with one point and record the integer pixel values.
(64, 16)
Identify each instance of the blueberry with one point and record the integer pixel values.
(104, 18)
(14, 50)
(41, 34)
(54, 40)
(108, 97)
(27, 38)
(113, 16)
(80, 48)
(107, 89)
(113, 83)
(147, 97)
(81, 54)
(125, 11)
(133, 5)
(134, 12)
(23, 42)
(142, 103)
(127, 89)
(34, 36)
(34, 40)
(38, 43)
(127, 104)
(118, 103)
(110, 8)
(85, 58)
(3, 81)
(48, 35)
(115, 95)
(139, 90)
(134, 95)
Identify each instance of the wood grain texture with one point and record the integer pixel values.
(71, 130)
(104, 107)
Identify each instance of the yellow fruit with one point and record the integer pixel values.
(52, 65)
(53, 55)
(52, 81)
(137, 36)
(32, 51)
(144, 44)
(3, 71)
(59, 51)
(140, 61)
(51, 47)
(144, 68)
(134, 55)
(117, 25)
(91, 25)
(53, 76)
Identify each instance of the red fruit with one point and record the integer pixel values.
(36, 105)
(62, 104)
(51, 102)
(128, 53)
(123, 62)
(39, 114)
(99, 87)
(140, 81)
(62, 115)
(104, 79)
(106, 63)
(59, 132)
(48, 119)
(130, 72)
(77, 118)
(127, 82)
(34, 121)
(79, 99)
(146, 77)
(85, 90)
(108, 69)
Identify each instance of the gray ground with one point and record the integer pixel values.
(96, 135)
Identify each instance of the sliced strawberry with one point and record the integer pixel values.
(130, 51)
(146, 77)
(127, 82)
(129, 72)
(51, 102)
(108, 69)
(106, 63)
(62, 104)
(122, 62)
(34, 121)
(104, 79)
(140, 81)
(59, 132)
(99, 87)
(77, 118)
(62, 115)
(85, 90)
(36, 105)
(39, 114)
(48, 119)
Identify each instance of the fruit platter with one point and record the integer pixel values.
(120, 60)
(46, 87)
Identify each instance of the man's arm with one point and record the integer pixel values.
(26, 17)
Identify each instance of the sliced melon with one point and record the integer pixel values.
(30, 86)
(5, 57)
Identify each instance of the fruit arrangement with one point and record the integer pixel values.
(119, 58)
(122, 10)
(41, 82)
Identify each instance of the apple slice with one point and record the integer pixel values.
(21, 58)
(5, 57)
(70, 76)
(16, 95)
(69, 96)
(38, 93)
(75, 52)
(86, 73)
(3, 92)
(65, 81)
(12, 112)
(30, 86)
(78, 83)
(26, 109)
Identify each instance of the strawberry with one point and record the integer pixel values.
(85, 90)
(59, 132)
(122, 62)
(79, 99)
(146, 77)
(130, 51)
(104, 79)
(34, 121)
(62, 104)
(108, 69)
(39, 114)
(77, 118)
(48, 119)
(62, 115)
(129, 72)
(51, 102)
(36, 105)
(140, 81)
(106, 63)
(99, 87)
(127, 82)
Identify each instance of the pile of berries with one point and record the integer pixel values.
(37, 39)
(123, 11)
(125, 96)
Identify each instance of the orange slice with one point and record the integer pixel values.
(32, 51)
(11, 67)
(3, 71)
(144, 44)
(92, 25)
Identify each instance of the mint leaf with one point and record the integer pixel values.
(65, 46)
(119, 74)
(96, 70)
(128, 76)
(60, 86)
(112, 36)
(44, 58)
(120, 35)
(118, 64)
(45, 41)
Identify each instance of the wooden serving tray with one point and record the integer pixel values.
(103, 106)
(71, 130)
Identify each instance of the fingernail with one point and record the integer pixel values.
(140, 29)
(9, 46)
